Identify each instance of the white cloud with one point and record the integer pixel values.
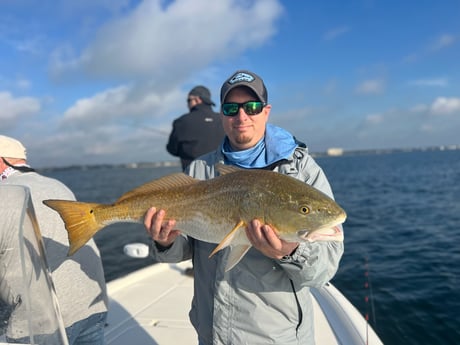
(32, 45)
(156, 40)
(443, 41)
(19, 83)
(442, 82)
(23, 84)
(373, 86)
(12, 109)
(439, 43)
(124, 103)
(445, 106)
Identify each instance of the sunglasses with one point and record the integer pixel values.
(250, 108)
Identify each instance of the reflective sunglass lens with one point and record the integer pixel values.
(230, 109)
(250, 108)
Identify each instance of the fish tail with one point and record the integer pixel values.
(79, 219)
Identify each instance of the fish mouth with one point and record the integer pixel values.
(331, 233)
(328, 232)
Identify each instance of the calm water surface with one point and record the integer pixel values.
(401, 237)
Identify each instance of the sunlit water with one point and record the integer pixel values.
(402, 237)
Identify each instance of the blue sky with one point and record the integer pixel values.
(88, 82)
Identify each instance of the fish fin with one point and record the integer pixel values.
(79, 220)
(224, 169)
(236, 254)
(166, 182)
(227, 240)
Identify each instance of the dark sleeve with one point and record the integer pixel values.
(180, 250)
(173, 144)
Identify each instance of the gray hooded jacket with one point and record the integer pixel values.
(261, 300)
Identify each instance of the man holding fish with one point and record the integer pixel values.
(256, 217)
(255, 290)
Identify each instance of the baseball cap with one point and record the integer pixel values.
(11, 148)
(248, 79)
(203, 93)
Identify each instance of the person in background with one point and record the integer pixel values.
(79, 280)
(265, 298)
(197, 132)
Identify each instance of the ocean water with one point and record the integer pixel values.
(402, 237)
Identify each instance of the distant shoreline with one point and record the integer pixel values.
(333, 152)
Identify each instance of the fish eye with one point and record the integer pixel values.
(304, 209)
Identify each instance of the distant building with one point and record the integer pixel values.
(334, 151)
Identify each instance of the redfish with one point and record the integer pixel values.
(215, 210)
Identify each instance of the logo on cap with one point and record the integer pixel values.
(241, 76)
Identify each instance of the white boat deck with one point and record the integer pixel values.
(150, 306)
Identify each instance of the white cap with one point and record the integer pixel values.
(11, 148)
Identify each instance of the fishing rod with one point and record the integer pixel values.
(368, 298)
